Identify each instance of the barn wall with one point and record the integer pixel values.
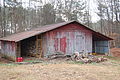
(101, 46)
(8, 49)
(67, 39)
(0, 46)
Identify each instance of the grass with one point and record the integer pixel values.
(113, 58)
(75, 62)
(30, 60)
(70, 70)
(6, 64)
(62, 71)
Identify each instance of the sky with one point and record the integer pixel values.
(92, 7)
(93, 10)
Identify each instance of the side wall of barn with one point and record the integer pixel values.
(0, 46)
(67, 39)
(8, 49)
(101, 46)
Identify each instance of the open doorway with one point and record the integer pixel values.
(28, 47)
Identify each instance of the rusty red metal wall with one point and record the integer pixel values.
(67, 39)
(8, 48)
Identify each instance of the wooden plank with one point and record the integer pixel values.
(18, 49)
(39, 46)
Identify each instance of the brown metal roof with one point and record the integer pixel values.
(23, 35)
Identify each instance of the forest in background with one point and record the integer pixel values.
(18, 15)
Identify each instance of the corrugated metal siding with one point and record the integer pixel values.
(8, 49)
(88, 42)
(102, 46)
(67, 39)
(0, 45)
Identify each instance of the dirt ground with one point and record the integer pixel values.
(3, 60)
(60, 70)
(115, 52)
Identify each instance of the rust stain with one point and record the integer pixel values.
(56, 44)
(65, 39)
(63, 44)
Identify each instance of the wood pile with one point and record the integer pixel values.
(87, 58)
(29, 48)
(84, 58)
(56, 56)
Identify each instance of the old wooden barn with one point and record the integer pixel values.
(66, 37)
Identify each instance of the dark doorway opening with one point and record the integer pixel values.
(28, 46)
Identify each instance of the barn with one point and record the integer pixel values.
(66, 37)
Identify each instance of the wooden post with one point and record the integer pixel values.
(38, 46)
(18, 49)
(109, 53)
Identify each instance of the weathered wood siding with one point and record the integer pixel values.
(0, 46)
(8, 49)
(67, 39)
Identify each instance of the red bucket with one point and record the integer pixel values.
(19, 59)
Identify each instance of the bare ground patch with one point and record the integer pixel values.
(109, 70)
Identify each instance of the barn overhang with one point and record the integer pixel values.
(100, 37)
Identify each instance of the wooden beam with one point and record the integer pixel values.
(38, 46)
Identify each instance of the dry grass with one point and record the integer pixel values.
(109, 70)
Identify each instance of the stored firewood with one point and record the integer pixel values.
(55, 56)
(95, 60)
(102, 59)
(86, 60)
